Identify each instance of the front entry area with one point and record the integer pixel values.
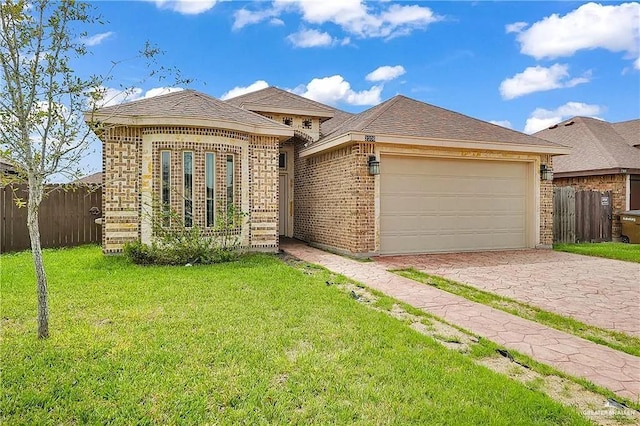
(285, 191)
(430, 205)
(283, 217)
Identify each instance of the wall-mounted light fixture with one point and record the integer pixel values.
(374, 165)
(545, 172)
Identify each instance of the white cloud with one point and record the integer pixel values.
(157, 91)
(111, 96)
(239, 90)
(591, 26)
(310, 38)
(335, 89)
(353, 16)
(386, 73)
(503, 123)
(541, 118)
(244, 17)
(516, 27)
(636, 64)
(539, 79)
(95, 40)
(186, 7)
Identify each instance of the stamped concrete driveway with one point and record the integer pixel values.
(601, 292)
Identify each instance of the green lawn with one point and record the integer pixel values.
(252, 342)
(619, 251)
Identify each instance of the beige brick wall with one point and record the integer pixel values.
(334, 202)
(546, 205)
(263, 190)
(614, 183)
(121, 196)
(255, 179)
(299, 123)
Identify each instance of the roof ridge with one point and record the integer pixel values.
(134, 101)
(188, 103)
(389, 103)
(303, 99)
(601, 147)
(247, 97)
(382, 108)
(626, 121)
(354, 117)
(213, 101)
(244, 95)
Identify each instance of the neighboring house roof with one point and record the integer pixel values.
(276, 100)
(402, 117)
(188, 108)
(629, 130)
(6, 167)
(598, 148)
(95, 178)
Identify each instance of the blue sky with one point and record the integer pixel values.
(525, 65)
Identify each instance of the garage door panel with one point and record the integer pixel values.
(438, 242)
(436, 205)
(485, 204)
(441, 224)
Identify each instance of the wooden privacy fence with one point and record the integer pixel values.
(581, 216)
(67, 217)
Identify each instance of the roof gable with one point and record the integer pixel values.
(402, 116)
(597, 146)
(273, 99)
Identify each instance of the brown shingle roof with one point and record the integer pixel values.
(402, 116)
(187, 104)
(276, 97)
(629, 130)
(95, 178)
(6, 166)
(597, 146)
(339, 117)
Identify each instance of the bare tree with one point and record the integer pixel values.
(42, 100)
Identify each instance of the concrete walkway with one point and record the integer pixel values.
(601, 365)
(596, 291)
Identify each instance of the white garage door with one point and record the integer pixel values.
(441, 205)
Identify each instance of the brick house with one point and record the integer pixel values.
(401, 177)
(605, 157)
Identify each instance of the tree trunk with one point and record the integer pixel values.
(35, 197)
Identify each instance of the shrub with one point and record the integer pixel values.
(179, 245)
(139, 253)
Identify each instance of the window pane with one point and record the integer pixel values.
(229, 180)
(187, 165)
(165, 187)
(282, 160)
(210, 191)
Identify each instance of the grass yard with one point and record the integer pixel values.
(619, 251)
(252, 342)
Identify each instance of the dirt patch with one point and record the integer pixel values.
(360, 294)
(594, 406)
(306, 267)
